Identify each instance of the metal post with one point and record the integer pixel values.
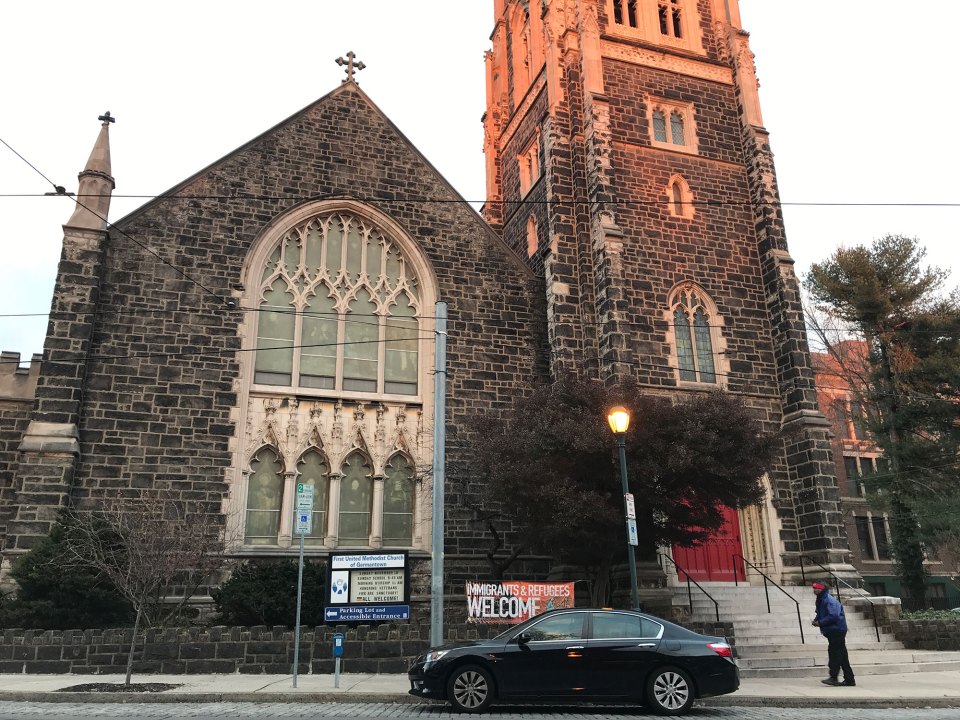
(631, 557)
(296, 631)
(439, 473)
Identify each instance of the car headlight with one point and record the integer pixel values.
(434, 655)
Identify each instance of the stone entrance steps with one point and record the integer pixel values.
(769, 645)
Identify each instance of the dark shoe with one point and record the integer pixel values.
(849, 683)
(830, 681)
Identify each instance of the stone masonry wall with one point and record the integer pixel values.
(928, 634)
(386, 648)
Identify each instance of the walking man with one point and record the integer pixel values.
(833, 626)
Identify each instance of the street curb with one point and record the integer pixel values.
(121, 698)
(390, 699)
(827, 702)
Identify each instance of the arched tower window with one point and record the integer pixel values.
(695, 333)
(679, 197)
(339, 307)
(398, 503)
(671, 18)
(532, 241)
(264, 498)
(356, 502)
(312, 470)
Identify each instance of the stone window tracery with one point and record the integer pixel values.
(531, 164)
(671, 125)
(669, 13)
(674, 23)
(339, 307)
(695, 335)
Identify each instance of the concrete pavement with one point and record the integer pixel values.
(933, 689)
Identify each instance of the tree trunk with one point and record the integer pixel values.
(133, 642)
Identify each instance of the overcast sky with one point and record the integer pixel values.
(860, 98)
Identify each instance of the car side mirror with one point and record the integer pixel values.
(523, 638)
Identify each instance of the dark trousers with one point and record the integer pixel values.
(837, 654)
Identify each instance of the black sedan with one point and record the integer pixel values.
(600, 655)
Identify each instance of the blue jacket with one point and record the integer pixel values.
(830, 614)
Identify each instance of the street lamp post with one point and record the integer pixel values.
(619, 419)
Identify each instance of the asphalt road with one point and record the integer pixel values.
(347, 711)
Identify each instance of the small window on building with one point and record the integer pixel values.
(671, 125)
(625, 13)
(671, 18)
(679, 197)
(530, 165)
(532, 241)
(880, 537)
(863, 535)
(853, 476)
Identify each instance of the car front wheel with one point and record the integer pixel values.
(669, 691)
(470, 689)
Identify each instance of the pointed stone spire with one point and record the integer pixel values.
(96, 184)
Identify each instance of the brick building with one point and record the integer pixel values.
(858, 458)
(269, 320)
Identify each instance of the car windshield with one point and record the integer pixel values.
(513, 629)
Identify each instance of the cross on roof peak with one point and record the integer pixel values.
(107, 118)
(351, 66)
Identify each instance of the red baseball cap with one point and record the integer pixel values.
(818, 586)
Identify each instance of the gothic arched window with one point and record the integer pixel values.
(696, 334)
(339, 307)
(264, 498)
(312, 470)
(679, 197)
(356, 502)
(398, 503)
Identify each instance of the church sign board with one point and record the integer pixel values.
(365, 587)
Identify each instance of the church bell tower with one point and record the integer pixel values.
(627, 160)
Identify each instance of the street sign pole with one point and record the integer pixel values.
(296, 632)
(303, 524)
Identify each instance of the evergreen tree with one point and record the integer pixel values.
(885, 295)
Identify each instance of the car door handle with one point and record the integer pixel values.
(647, 645)
(575, 647)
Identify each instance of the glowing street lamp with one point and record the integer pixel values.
(619, 419)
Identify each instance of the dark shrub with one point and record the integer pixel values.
(55, 595)
(265, 593)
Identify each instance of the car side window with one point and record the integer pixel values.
(568, 626)
(610, 626)
(650, 628)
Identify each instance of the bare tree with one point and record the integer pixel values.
(151, 548)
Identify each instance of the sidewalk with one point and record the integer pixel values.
(933, 689)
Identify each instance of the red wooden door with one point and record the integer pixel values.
(714, 561)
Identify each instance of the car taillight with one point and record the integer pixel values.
(721, 648)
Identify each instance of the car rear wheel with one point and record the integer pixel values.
(470, 689)
(669, 691)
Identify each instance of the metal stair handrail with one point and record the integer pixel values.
(716, 605)
(836, 583)
(766, 591)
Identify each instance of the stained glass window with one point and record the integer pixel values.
(312, 470)
(264, 498)
(356, 502)
(398, 503)
(694, 337)
(335, 291)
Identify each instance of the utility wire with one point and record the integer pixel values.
(611, 201)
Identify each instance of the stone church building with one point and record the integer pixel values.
(270, 320)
